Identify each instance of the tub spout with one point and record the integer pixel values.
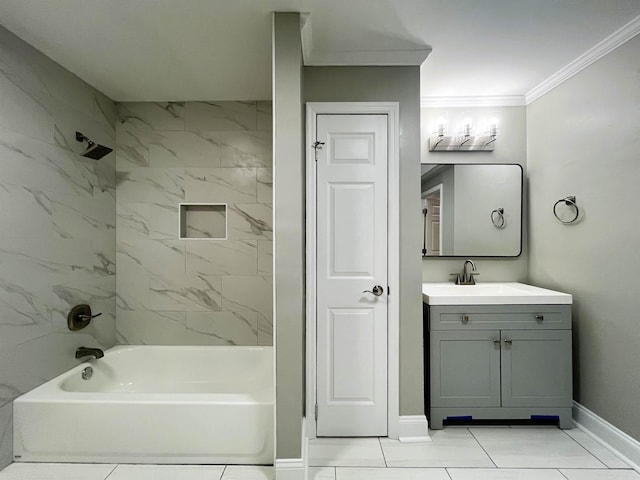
(89, 352)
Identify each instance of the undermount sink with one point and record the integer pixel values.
(510, 293)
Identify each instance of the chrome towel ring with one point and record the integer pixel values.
(570, 202)
(497, 217)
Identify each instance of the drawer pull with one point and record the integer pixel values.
(496, 342)
(540, 318)
(465, 319)
(508, 341)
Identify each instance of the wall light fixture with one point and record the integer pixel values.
(465, 141)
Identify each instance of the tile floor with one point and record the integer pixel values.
(456, 453)
(474, 453)
(83, 471)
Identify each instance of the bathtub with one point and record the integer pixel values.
(153, 404)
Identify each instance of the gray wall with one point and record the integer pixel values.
(200, 291)
(392, 84)
(288, 205)
(479, 189)
(57, 247)
(583, 140)
(511, 147)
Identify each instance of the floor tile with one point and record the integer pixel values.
(600, 474)
(449, 448)
(534, 448)
(601, 452)
(248, 472)
(532, 425)
(345, 452)
(504, 474)
(322, 473)
(166, 472)
(56, 471)
(349, 473)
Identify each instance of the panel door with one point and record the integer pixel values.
(465, 368)
(351, 258)
(536, 368)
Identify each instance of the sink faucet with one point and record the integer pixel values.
(89, 352)
(466, 277)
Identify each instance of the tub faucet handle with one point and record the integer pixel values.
(80, 316)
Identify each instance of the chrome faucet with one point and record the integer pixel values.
(466, 277)
(89, 352)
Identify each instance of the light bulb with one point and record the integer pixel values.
(441, 126)
(467, 126)
(493, 126)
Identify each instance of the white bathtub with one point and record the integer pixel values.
(202, 405)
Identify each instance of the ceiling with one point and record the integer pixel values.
(221, 49)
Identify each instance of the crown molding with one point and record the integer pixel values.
(306, 36)
(362, 58)
(613, 41)
(479, 101)
(314, 57)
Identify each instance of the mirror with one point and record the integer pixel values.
(471, 210)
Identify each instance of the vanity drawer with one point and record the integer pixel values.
(483, 317)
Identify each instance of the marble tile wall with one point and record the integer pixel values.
(194, 291)
(57, 244)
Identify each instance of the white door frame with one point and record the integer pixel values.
(391, 109)
(440, 188)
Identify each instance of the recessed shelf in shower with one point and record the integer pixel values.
(204, 221)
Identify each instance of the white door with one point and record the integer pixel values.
(351, 258)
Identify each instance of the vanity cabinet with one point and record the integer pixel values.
(500, 362)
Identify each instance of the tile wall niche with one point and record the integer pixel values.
(173, 291)
(57, 246)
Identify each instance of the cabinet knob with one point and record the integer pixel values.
(508, 341)
(540, 318)
(465, 319)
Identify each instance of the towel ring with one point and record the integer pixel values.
(497, 217)
(571, 202)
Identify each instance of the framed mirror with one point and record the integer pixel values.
(471, 210)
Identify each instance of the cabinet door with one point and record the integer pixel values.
(465, 369)
(536, 368)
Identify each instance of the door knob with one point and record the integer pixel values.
(377, 290)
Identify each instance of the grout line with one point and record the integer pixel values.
(482, 447)
(111, 472)
(560, 472)
(224, 470)
(446, 469)
(586, 450)
(335, 473)
(383, 455)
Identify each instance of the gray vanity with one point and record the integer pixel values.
(498, 351)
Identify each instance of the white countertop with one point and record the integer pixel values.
(501, 293)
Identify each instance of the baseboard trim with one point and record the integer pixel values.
(413, 429)
(294, 468)
(625, 446)
(290, 469)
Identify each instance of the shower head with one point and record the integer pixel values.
(94, 151)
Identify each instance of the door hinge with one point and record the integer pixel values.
(388, 290)
(316, 412)
(317, 146)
